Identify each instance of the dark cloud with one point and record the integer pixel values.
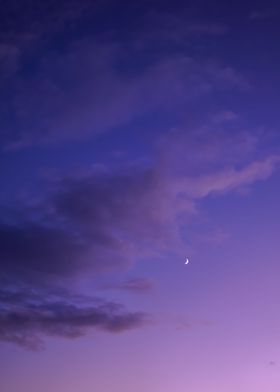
(107, 219)
(86, 225)
(35, 251)
(26, 317)
(94, 222)
(129, 207)
(100, 220)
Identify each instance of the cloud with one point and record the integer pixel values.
(33, 251)
(41, 18)
(101, 221)
(99, 82)
(229, 179)
(61, 87)
(139, 285)
(206, 28)
(26, 317)
(54, 89)
(174, 28)
(28, 27)
(263, 14)
(84, 92)
(9, 57)
(136, 285)
(86, 226)
(197, 152)
(225, 116)
(106, 219)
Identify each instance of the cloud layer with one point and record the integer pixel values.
(106, 219)
(72, 72)
(101, 221)
(99, 82)
(25, 317)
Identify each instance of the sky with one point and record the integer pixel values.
(135, 135)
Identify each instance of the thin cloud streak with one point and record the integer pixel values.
(134, 285)
(229, 179)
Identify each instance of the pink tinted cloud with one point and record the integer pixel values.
(194, 152)
(228, 179)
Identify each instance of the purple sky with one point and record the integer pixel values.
(135, 134)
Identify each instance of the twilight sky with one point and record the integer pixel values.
(135, 134)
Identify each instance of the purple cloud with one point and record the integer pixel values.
(26, 317)
(104, 220)
(135, 285)
(96, 222)
(206, 28)
(263, 14)
(107, 219)
(83, 91)
(229, 179)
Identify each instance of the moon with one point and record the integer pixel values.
(187, 261)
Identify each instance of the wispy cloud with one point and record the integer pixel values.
(263, 14)
(85, 89)
(135, 285)
(229, 179)
(83, 92)
(202, 28)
